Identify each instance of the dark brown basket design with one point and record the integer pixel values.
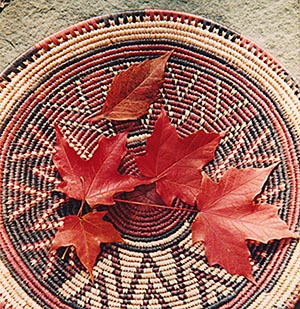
(216, 80)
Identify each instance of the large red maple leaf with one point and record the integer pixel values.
(175, 163)
(85, 234)
(228, 217)
(133, 90)
(95, 180)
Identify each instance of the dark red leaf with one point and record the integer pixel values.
(86, 234)
(228, 217)
(144, 194)
(175, 163)
(133, 91)
(96, 180)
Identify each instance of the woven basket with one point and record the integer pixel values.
(215, 80)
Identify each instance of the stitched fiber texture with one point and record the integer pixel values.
(216, 80)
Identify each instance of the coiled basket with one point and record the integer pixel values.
(216, 80)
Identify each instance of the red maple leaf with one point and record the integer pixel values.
(175, 163)
(95, 180)
(132, 91)
(228, 217)
(85, 234)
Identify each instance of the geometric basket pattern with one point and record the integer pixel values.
(216, 80)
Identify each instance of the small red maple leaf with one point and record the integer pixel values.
(175, 163)
(85, 234)
(228, 217)
(95, 180)
(132, 91)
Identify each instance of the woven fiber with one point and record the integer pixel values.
(216, 80)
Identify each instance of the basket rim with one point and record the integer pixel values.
(119, 14)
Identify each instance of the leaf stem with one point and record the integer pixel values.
(65, 253)
(81, 208)
(155, 205)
